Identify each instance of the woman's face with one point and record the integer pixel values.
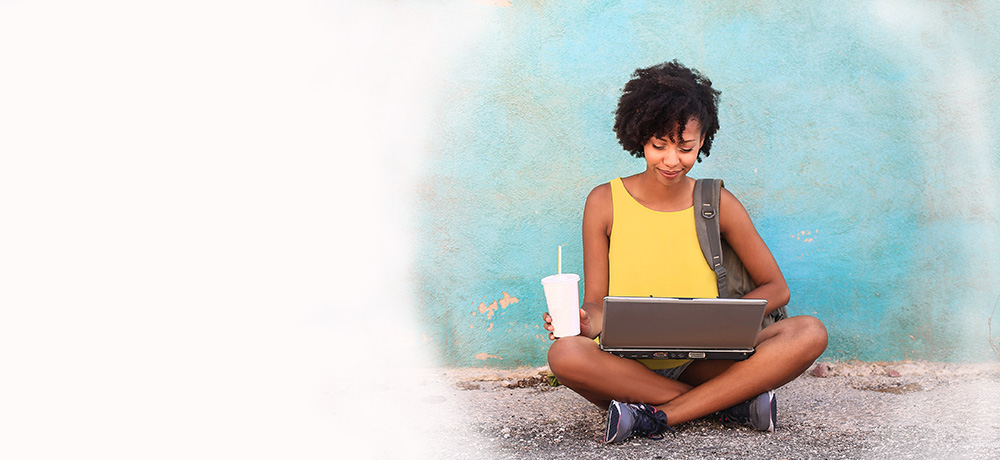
(669, 161)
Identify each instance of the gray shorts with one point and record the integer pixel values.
(674, 372)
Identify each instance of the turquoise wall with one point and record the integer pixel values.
(241, 209)
(861, 136)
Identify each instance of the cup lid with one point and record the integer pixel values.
(563, 278)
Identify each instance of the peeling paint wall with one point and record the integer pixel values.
(864, 146)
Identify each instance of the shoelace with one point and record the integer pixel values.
(739, 413)
(648, 423)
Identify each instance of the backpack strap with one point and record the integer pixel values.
(707, 193)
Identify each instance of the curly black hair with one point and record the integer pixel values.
(662, 97)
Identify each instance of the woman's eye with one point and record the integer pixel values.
(686, 150)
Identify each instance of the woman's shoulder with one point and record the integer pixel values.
(601, 190)
(728, 200)
(598, 212)
(599, 199)
(732, 214)
(601, 194)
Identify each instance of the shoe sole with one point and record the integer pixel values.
(613, 432)
(774, 412)
(766, 404)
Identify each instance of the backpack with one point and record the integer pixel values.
(732, 276)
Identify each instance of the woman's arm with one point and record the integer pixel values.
(738, 230)
(597, 216)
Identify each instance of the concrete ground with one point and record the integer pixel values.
(906, 410)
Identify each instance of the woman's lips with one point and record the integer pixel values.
(669, 174)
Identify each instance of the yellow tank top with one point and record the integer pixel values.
(657, 254)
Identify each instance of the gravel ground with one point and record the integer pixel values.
(905, 410)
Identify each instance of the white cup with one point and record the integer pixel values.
(563, 297)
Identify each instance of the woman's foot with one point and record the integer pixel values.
(759, 413)
(627, 419)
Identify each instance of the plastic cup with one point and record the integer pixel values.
(563, 298)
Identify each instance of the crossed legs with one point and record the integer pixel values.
(784, 350)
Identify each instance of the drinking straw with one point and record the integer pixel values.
(560, 259)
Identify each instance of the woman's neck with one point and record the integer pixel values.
(653, 194)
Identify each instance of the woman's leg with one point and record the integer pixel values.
(599, 376)
(784, 350)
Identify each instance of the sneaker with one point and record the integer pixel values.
(627, 419)
(759, 413)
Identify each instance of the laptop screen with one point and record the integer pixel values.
(671, 323)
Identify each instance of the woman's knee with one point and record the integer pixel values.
(813, 334)
(567, 355)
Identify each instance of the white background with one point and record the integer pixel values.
(199, 201)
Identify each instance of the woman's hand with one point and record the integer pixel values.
(585, 328)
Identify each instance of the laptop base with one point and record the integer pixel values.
(734, 355)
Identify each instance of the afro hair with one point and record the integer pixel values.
(659, 101)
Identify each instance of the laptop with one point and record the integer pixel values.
(676, 328)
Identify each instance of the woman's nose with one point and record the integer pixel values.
(670, 158)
